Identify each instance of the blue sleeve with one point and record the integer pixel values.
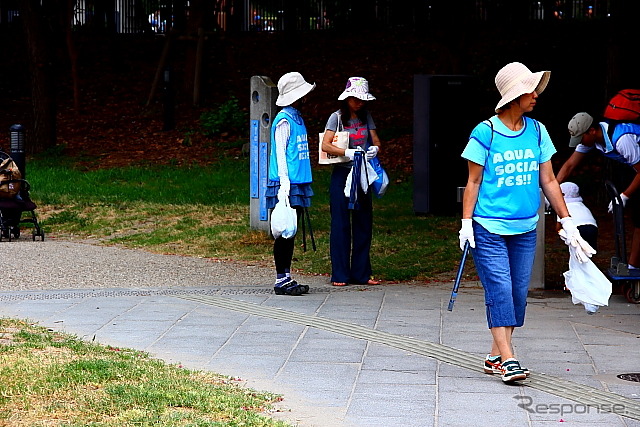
(547, 149)
(477, 148)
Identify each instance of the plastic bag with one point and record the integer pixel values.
(588, 285)
(367, 177)
(379, 185)
(284, 219)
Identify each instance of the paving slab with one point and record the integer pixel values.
(386, 355)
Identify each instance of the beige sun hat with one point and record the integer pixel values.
(515, 79)
(291, 87)
(357, 87)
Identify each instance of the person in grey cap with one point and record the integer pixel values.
(618, 142)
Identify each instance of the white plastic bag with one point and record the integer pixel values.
(284, 219)
(588, 285)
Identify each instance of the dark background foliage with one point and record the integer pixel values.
(106, 114)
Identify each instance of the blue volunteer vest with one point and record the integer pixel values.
(610, 142)
(296, 151)
(510, 181)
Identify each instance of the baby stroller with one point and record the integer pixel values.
(14, 200)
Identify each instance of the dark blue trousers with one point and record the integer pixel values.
(350, 240)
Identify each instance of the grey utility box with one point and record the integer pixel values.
(442, 123)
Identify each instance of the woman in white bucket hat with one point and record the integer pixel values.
(351, 229)
(289, 171)
(509, 159)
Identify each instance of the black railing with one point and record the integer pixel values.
(160, 16)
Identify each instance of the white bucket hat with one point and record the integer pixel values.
(292, 87)
(571, 192)
(515, 79)
(357, 87)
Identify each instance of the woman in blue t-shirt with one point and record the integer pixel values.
(509, 159)
(351, 229)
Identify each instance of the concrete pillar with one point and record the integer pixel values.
(263, 109)
(537, 275)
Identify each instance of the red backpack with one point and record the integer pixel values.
(624, 106)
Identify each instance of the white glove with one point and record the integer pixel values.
(624, 199)
(466, 233)
(350, 152)
(576, 251)
(547, 204)
(571, 236)
(372, 152)
(285, 185)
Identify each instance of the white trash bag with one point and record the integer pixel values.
(588, 285)
(284, 218)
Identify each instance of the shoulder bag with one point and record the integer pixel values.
(340, 140)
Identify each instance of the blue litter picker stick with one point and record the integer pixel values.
(456, 285)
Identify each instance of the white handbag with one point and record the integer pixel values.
(340, 140)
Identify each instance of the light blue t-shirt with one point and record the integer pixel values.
(509, 195)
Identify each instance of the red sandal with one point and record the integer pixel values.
(339, 284)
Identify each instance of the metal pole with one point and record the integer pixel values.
(169, 102)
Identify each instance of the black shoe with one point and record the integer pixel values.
(288, 286)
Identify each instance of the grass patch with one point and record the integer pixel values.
(49, 378)
(204, 211)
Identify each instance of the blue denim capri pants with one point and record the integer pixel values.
(504, 265)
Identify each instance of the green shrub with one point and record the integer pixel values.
(228, 117)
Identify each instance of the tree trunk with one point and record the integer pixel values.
(195, 44)
(43, 95)
(73, 54)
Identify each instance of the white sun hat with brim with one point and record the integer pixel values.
(515, 79)
(291, 87)
(571, 192)
(358, 87)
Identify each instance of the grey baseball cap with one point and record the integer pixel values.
(578, 126)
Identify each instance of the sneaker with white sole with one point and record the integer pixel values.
(492, 365)
(511, 371)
